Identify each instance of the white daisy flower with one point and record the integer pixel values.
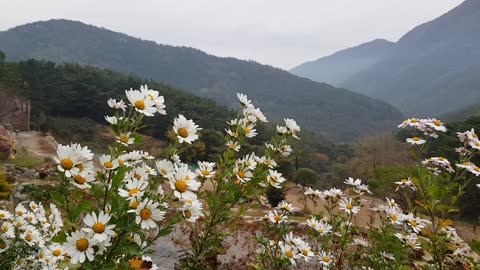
(79, 246)
(205, 169)
(352, 182)
(348, 206)
(68, 158)
(244, 101)
(243, 174)
(5, 214)
(290, 252)
(276, 217)
(292, 127)
(249, 130)
(233, 145)
(56, 252)
(82, 180)
(406, 182)
(98, 226)
(125, 139)
(120, 105)
(275, 179)
(186, 130)
(140, 102)
(192, 210)
(112, 120)
(164, 167)
(133, 188)
(108, 163)
(283, 205)
(147, 213)
(285, 150)
(325, 258)
(183, 183)
(416, 140)
(7, 229)
(154, 96)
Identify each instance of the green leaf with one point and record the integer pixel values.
(57, 197)
(60, 238)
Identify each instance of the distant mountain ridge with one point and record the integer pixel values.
(338, 67)
(433, 69)
(317, 106)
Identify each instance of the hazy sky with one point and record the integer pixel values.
(281, 33)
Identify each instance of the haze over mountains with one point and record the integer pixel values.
(432, 69)
(338, 113)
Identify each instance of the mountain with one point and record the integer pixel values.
(338, 67)
(432, 69)
(338, 113)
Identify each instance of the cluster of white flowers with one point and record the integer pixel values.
(428, 127)
(434, 164)
(29, 232)
(471, 145)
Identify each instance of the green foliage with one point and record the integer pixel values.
(5, 187)
(382, 183)
(275, 196)
(305, 177)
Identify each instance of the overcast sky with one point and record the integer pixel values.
(281, 33)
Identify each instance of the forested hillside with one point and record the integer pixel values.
(316, 106)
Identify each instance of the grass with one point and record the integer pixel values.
(26, 160)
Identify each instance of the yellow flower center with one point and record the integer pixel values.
(5, 229)
(2, 215)
(181, 186)
(108, 165)
(404, 180)
(394, 217)
(321, 231)
(136, 263)
(241, 174)
(20, 213)
(121, 162)
(205, 172)
(163, 171)
(137, 176)
(134, 205)
(79, 166)
(416, 139)
(66, 164)
(188, 214)
(414, 223)
(151, 97)
(414, 121)
(247, 130)
(98, 228)
(289, 254)
(140, 104)
(277, 218)
(326, 259)
(305, 252)
(82, 244)
(28, 237)
(183, 132)
(349, 206)
(41, 255)
(123, 139)
(56, 252)
(437, 123)
(146, 213)
(79, 179)
(474, 135)
(133, 191)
